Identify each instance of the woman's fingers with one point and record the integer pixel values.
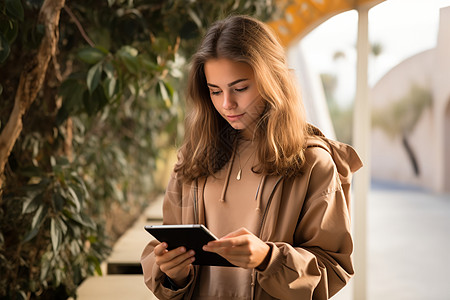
(241, 247)
(160, 249)
(173, 267)
(174, 263)
(239, 232)
(229, 242)
(173, 257)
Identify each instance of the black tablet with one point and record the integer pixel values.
(192, 236)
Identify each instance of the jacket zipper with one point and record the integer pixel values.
(191, 291)
(254, 274)
(196, 202)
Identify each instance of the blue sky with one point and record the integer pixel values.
(402, 27)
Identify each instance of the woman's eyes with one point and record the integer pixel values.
(216, 93)
(242, 89)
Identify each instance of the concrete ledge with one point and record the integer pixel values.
(126, 253)
(113, 287)
(153, 213)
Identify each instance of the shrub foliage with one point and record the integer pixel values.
(108, 108)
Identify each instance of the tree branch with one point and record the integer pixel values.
(78, 24)
(31, 80)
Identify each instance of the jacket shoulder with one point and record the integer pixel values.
(345, 158)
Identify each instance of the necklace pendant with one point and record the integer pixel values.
(238, 177)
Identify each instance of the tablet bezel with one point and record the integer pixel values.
(191, 236)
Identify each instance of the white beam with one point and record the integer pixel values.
(361, 142)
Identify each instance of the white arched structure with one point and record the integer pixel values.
(447, 148)
(312, 92)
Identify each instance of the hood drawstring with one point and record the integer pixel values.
(258, 195)
(227, 178)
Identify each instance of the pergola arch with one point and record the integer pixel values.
(302, 16)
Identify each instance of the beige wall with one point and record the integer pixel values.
(441, 95)
(431, 137)
(389, 159)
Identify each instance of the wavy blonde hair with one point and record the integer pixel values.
(281, 131)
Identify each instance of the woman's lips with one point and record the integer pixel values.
(233, 118)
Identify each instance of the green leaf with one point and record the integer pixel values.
(9, 29)
(14, 9)
(56, 236)
(169, 89)
(52, 161)
(46, 265)
(31, 204)
(71, 91)
(160, 45)
(31, 171)
(98, 98)
(108, 68)
(30, 235)
(39, 216)
(74, 198)
(62, 225)
(58, 201)
(75, 248)
(91, 55)
(195, 18)
(110, 86)
(164, 94)
(4, 49)
(21, 295)
(98, 269)
(93, 77)
(128, 56)
(36, 223)
(89, 104)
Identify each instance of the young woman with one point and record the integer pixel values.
(257, 175)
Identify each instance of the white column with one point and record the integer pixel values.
(361, 142)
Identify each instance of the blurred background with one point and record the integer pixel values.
(92, 109)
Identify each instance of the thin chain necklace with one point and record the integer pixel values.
(239, 174)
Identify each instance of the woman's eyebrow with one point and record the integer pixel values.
(237, 81)
(230, 84)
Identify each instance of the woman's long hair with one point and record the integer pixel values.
(282, 130)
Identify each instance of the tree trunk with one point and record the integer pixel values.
(31, 80)
(411, 155)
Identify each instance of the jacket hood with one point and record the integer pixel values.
(344, 156)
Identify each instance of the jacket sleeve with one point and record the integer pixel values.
(153, 277)
(318, 262)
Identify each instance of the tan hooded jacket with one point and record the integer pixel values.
(306, 222)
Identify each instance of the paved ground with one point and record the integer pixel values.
(408, 245)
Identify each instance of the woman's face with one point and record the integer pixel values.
(234, 93)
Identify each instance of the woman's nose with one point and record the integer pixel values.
(228, 101)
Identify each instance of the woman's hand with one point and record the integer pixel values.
(242, 248)
(175, 263)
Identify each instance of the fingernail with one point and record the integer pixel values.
(191, 252)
